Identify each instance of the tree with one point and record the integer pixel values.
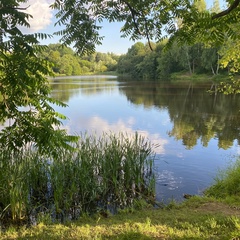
(25, 105)
(216, 7)
(210, 60)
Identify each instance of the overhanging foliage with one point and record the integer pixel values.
(26, 110)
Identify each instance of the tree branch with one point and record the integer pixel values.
(22, 8)
(134, 13)
(227, 11)
(16, 8)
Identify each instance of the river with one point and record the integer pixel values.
(197, 133)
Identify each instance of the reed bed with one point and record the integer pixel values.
(103, 174)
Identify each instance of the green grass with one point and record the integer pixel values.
(114, 73)
(198, 78)
(188, 220)
(227, 184)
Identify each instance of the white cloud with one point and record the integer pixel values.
(41, 12)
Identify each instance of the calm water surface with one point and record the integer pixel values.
(197, 133)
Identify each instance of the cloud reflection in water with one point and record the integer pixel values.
(167, 179)
(99, 126)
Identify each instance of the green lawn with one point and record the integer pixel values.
(196, 218)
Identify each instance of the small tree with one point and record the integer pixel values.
(25, 106)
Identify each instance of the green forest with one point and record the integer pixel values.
(66, 62)
(213, 53)
(140, 61)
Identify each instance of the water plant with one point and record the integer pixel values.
(102, 174)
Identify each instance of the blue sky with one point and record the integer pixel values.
(43, 21)
(112, 38)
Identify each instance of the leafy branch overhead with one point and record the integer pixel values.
(25, 106)
(153, 20)
(232, 6)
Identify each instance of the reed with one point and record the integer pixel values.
(103, 174)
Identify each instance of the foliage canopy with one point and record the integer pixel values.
(152, 19)
(26, 110)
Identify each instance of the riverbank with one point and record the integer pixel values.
(174, 77)
(216, 215)
(195, 218)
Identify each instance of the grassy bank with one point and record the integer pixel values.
(72, 197)
(183, 76)
(200, 78)
(212, 217)
(197, 218)
(110, 73)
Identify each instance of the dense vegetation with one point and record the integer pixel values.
(66, 62)
(102, 175)
(141, 62)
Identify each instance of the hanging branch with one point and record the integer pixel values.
(134, 13)
(147, 35)
(227, 11)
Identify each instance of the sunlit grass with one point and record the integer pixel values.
(227, 184)
(186, 221)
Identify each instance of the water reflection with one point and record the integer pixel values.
(196, 133)
(64, 88)
(195, 114)
(96, 125)
(167, 179)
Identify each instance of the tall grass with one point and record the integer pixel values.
(227, 182)
(103, 174)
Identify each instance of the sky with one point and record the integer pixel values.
(43, 21)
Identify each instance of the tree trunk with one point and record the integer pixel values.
(188, 60)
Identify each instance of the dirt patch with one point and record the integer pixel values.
(214, 207)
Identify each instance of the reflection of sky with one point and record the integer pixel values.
(98, 113)
(178, 170)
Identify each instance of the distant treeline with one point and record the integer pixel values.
(66, 62)
(140, 61)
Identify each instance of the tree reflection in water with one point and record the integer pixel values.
(195, 114)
